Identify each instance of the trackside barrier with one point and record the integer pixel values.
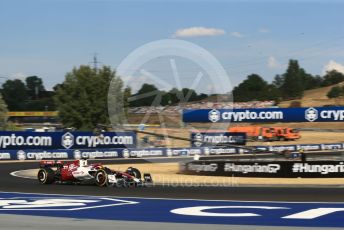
(307, 114)
(112, 153)
(65, 140)
(306, 147)
(280, 169)
(202, 139)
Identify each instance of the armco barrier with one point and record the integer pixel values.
(309, 114)
(65, 140)
(39, 154)
(305, 147)
(113, 153)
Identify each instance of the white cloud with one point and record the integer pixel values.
(273, 63)
(237, 34)
(332, 65)
(19, 75)
(198, 32)
(136, 82)
(263, 30)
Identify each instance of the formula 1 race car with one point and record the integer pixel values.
(80, 171)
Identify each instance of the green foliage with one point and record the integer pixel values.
(278, 81)
(126, 97)
(82, 98)
(174, 95)
(15, 95)
(150, 95)
(335, 91)
(34, 87)
(312, 82)
(254, 88)
(10, 126)
(332, 77)
(293, 86)
(294, 81)
(146, 96)
(3, 114)
(286, 86)
(189, 95)
(28, 96)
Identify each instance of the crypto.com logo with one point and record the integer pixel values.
(214, 115)
(208, 73)
(67, 140)
(198, 140)
(311, 114)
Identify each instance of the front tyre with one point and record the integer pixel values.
(101, 178)
(46, 176)
(134, 172)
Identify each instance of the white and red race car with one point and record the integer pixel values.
(80, 171)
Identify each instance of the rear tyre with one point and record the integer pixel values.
(134, 172)
(46, 176)
(101, 178)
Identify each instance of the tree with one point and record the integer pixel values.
(309, 81)
(252, 88)
(335, 91)
(146, 96)
(15, 95)
(202, 96)
(175, 95)
(332, 77)
(273, 93)
(35, 87)
(126, 98)
(293, 86)
(165, 98)
(189, 94)
(292, 83)
(278, 81)
(82, 99)
(3, 114)
(31, 96)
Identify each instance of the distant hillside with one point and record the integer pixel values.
(316, 97)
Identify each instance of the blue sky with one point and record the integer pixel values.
(48, 38)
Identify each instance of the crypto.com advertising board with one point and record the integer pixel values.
(201, 139)
(311, 114)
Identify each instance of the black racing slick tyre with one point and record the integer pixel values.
(101, 178)
(134, 172)
(46, 176)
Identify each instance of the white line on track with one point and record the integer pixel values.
(15, 174)
(162, 198)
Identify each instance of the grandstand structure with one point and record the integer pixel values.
(34, 119)
(201, 105)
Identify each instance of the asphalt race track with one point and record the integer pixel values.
(9, 183)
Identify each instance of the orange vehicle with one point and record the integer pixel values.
(286, 134)
(255, 132)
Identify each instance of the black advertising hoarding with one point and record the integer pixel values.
(279, 169)
(202, 139)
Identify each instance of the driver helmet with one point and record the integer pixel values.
(83, 163)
